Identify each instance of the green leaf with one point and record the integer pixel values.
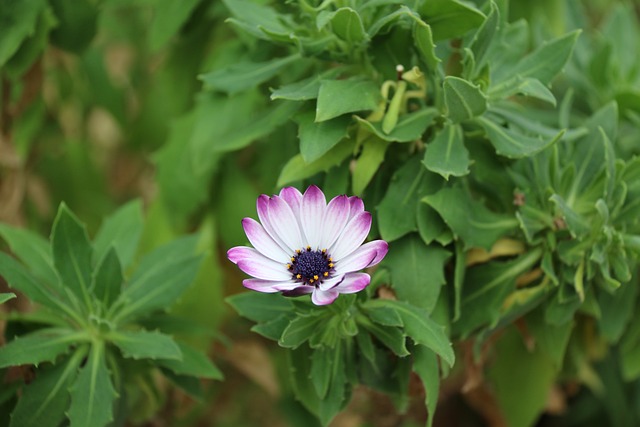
(297, 169)
(338, 97)
(322, 361)
(20, 279)
(368, 163)
(18, 21)
(547, 60)
(6, 297)
(347, 25)
(423, 40)
(470, 220)
(92, 393)
(168, 18)
(381, 315)
(550, 339)
(514, 144)
(484, 37)
(422, 329)
(239, 77)
(397, 210)
(255, 18)
(121, 230)
(425, 364)
(392, 337)
(260, 307)
(446, 154)
(107, 281)
(409, 128)
(300, 330)
(527, 86)
(463, 99)
(72, 253)
(521, 393)
(578, 226)
(146, 345)
(193, 363)
(304, 89)
(417, 271)
(76, 24)
(430, 225)
(190, 385)
(318, 138)
(33, 250)
(450, 18)
(41, 346)
(45, 400)
(274, 328)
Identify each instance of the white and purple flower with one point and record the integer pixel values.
(305, 245)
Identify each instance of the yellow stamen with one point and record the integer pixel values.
(298, 276)
(325, 274)
(315, 277)
(288, 266)
(297, 251)
(310, 280)
(330, 265)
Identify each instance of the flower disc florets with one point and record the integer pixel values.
(304, 245)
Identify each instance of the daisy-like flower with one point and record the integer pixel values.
(303, 245)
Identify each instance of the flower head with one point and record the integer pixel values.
(303, 245)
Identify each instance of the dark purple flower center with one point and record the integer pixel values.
(311, 267)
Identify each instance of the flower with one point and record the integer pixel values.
(303, 245)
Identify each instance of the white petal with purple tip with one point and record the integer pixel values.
(353, 282)
(352, 236)
(262, 206)
(261, 240)
(264, 268)
(269, 286)
(312, 214)
(284, 223)
(240, 252)
(335, 218)
(363, 257)
(327, 284)
(320, 297)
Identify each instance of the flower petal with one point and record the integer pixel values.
(327, 284)
(311, 215)
(240, 252)
(365, 256)
(268, 286)
(262, 206)
(320, 297)
(284, 223)
(352, 236)
(353, 282)
(261, 240)
(257, 265)
(336, 216)
(356, 206)
(293, 197)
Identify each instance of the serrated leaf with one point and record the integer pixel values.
(19, 22)
(20, 279)
(260, 307)
(338, 97)
(527, 86)
(146, 345)
(381, 315)
(397, 210)
(92, 393)
(514, 144)
(72, 253)
(33, 250)
(45, 400)
(318, 138)
(120, 230)
(422, 329)
(300, 330)
(425, 364)
(6, 297)
(423, 40)
(193, 363)
(157, 288)
(392, 337)
(297, 169)
(417, 271)
(347, 25)
(446, 154)
(450, 18)
(463, 99)
(43, 345)
(484, 37)
(107, 281)
(409, 128)
(239, 77)
(322, 361)
(548, 59)
(470, 220)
